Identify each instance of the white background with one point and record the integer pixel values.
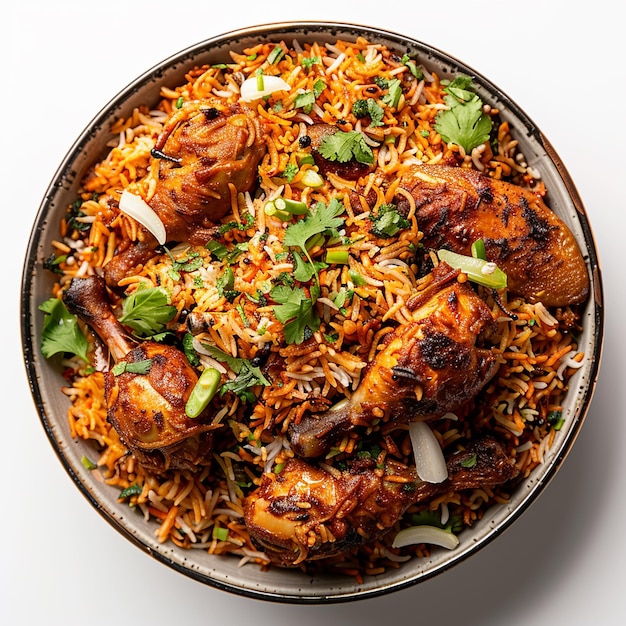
(563, 562)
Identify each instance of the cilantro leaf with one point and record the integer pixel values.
(342, 146)
(464, 122)
(304, 271)
(308, 62)
(147, 311)
(296, 312)
(60, 332)
(248, 376)
(190, 263)
(325, 218)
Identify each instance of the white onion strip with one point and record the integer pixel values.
(429, 460)
(425, 534)
(136, 207)
(250, 87)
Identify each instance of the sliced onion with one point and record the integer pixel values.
(429, 460)
(136, 207)
(425, 534)
(250, 87)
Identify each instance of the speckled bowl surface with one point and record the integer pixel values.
(46, 380)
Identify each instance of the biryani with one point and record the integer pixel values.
(257, 220)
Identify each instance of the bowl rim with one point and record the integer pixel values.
(307, 29)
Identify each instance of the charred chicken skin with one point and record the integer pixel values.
(455, 206)
(307, 513)
(146, 401)
(203, 155)
(427, 367)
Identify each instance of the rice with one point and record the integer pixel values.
(536, 346)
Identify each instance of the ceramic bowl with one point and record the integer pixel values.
(221, 572)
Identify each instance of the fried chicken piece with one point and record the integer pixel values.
(146, 401)
(203, 156)
(205, 150)
(455, 206)
(427, 367)
(307, 513)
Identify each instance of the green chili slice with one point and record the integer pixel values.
(203, 392)
(477, 270)
(478, 250)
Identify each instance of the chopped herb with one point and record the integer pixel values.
(74, 213)
(234, 225)
(308, 62)
(555, 418)
(61, 333)
(247, 375)
(388, 222)
(413, 68)
(290, 171)
(433, 518)
(381, 82)
(147, 311)
(135, 367)
(345, 295)
(132, 490)
(238, 249)
(469, 462)
(189, 351)
(343, 146)
(190, 263)
(179, 102)
(318, 87)
(225, 281)
(305, 101)
(392, 97)
(369, 107)
(52, 263)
